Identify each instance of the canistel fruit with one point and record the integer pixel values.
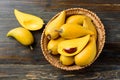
(78, 19)
(66, 60)
(87, 55)
(29, 21)
(50, 30)
(70, 31)
(22, 35)
(87, 23)
(53, 45)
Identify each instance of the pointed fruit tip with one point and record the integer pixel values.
(15, 10)
(8, 34)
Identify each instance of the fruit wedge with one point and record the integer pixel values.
(73, 46)
(29, 21)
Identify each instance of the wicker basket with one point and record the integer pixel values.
(54, 60)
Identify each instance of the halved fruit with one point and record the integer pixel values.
(73, 46)
(29, 21)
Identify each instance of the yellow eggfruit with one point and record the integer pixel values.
(50, 30)
(88, 24)
(28, 21)
(76, 19)
(53, 46)
(66, 60)
(87, 55)
(71, 30)
(22, 35)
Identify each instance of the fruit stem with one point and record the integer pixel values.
(31, 48)
(49, 51)
(49, 37)
(59, 31)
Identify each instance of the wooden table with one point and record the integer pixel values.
(18, 62)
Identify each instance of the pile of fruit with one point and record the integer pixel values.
(73, 38)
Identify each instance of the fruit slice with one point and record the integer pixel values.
(70, 30)
(66, 60)
(28, 21)
(73, 46)
(54, 25)
(22, 35)
(87, 55)
(78, 19)
(53, 45)
(87, 23)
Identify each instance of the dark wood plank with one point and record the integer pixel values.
(48, 72)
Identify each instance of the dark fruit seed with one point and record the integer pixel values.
(70, 50)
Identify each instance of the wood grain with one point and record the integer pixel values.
(41, 72)
(18, 62)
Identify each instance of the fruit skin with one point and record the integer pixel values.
(50, 30)
(78, 43)
(70, 31)
(66, 60)
(29, 21)
(22, 35)
(53, 45)
(87, 55)
(87, 23)
(78, 19)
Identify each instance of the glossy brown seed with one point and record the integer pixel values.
(70, 50)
